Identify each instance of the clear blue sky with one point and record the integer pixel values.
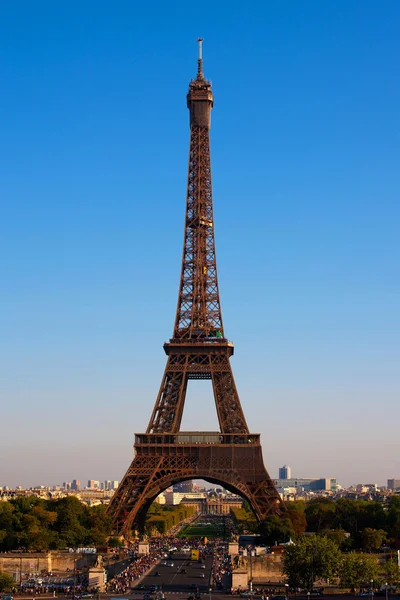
(93, 166)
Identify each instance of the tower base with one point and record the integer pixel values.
(161, 460)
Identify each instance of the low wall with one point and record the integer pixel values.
(51, 562)
(264, 569)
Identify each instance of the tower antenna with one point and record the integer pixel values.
(200, 74)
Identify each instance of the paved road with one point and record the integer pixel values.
(185, 576)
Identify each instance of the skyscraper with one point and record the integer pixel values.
(393, 484)
(285, 472)
(93, 484)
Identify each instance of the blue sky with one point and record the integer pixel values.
(93, 166)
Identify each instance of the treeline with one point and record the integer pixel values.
(351, 524)
(31, 523)
(315, 559)
(161, 519)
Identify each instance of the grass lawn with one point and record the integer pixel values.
(199, 530)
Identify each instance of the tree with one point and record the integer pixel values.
(45, 517)
(308, 559)
(277, 528)
(296, 513)
(391, 573)
(356, 570)
(320, 514)
(393, 517)
(347, 515)
(372, 538)
(6, 582)
(338, 536)
(6, 515)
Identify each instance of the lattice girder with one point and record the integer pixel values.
(238, 468)
(197, 350)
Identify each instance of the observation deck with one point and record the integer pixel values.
(189, 438)
(198, 345)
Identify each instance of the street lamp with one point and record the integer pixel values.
(74, 594)
(386, 591)
(286, 590)
(371, 589)
(251, 570)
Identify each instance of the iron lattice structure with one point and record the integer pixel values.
(197, 350)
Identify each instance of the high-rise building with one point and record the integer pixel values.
(285, 472)
(76, 485)
(93, 484)
(67, 485)
(114, 484)
(393, 484)
(184, 486)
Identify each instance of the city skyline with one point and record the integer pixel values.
(388, 482)
(305, 152)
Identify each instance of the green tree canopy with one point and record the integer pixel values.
(277, 529)
(308, 559)
(296, 514)
(372, 538)
(37, 524)
(338, 536)
(357, 570)
(391, 573)
(320, 514)
(393, 517)
(6, 582)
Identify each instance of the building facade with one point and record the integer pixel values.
(285, 472)
(307, 484)
(213, 505)
(393, 484)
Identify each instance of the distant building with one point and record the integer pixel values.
(393, 484)
(114, 484)
(285, 472)
(213, 505)
(76, 485)
(184, 486)
(160, 499)
(173, 498)
(93, 484)
(307, 484)
(67, 485)
(363, 488)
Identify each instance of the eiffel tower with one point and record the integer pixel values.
(164, 455)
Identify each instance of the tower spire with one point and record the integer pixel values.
(200, 74)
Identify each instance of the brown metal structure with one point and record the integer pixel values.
(198, 350)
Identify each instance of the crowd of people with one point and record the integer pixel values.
(122, 582)
(222, 567)
(160, 547)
